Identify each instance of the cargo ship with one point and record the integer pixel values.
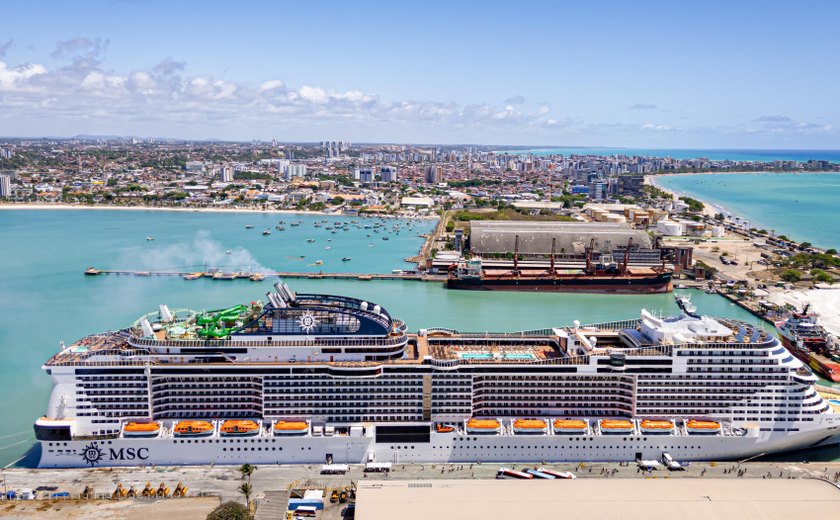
(807, 340)
(603, 275)
(314, 378)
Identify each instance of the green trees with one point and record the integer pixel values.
(246, 489)
(230, 511)
(791, 275)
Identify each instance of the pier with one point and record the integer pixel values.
(259, 276)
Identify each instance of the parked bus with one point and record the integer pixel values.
(513, 474)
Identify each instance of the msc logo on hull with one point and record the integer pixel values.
(93, 454)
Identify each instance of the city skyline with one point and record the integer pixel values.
(626, 75)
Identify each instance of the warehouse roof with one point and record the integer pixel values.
(499, 236)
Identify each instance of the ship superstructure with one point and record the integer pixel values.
(306, 378)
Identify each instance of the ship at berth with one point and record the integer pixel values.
(309, 378)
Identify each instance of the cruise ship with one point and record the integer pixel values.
(308, 378)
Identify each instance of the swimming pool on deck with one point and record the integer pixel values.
(492, 355)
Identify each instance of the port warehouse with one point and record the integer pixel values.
(489, 238)
(626, 499)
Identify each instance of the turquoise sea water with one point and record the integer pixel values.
(803, 206)
(687, 153)
(45, 298)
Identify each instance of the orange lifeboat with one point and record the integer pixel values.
(707, 427)
(616, 426)
(141, 429)
(193, 429)
(656, 426)
(444, 428)
(291, 428)
(483, 426)
(232, 428)
(570, 426)
(529, 426)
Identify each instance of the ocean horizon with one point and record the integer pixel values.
(713, 154)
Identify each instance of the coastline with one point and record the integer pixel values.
(711, 208)
(245, 211)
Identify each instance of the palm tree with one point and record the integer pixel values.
(246, 489)
(247, 470)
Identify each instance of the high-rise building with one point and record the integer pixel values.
(5, 186)
(226, 173)
(434, 174)
(388, 174)
(366, 174)
(296, 170)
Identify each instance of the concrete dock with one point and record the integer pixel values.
(411, 276)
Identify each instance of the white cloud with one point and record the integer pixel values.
(17, 77)
(273, 84)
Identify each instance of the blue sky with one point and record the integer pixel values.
(621, 73)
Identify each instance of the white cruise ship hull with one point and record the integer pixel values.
(442, 448)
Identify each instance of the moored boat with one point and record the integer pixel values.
(702, 427)
(481, 426)
(616, 426)
(656, 426)
(570, 426)
(141, 429)
(291, 428)
(239, 428)
(529, 426)
(193, 428)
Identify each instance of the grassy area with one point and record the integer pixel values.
(461, 219)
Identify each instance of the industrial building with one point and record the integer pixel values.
(498, 237)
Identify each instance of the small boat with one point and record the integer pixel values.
(702, 427)
(616, 426)
(319, 262)
(570, 426)
(310, 240)
(249, 226)
(656, 426)
(141, 429)
(257, 277)
(529, 426)
(346, 259)
(291, 428)
(266, 232)
(280, 228)
(149, 239)
(444, 428)
(228, 252)
(219, 275)
(239, 428)
(328, 248)
(193, 276)
(480, 426)
(385, 238)
(295, 224)
(193, 429)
